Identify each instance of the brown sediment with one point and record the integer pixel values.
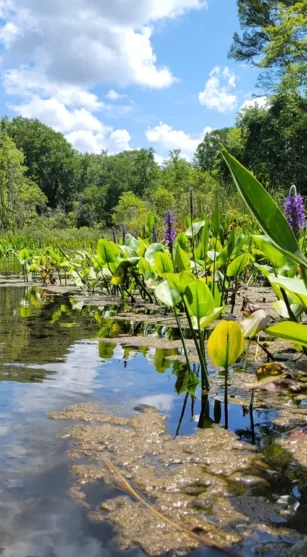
(210, 485)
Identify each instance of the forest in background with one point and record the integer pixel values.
(46, 185)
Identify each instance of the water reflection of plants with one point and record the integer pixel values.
(196, 273)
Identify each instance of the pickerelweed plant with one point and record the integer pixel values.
(294, 209)
(289, 277)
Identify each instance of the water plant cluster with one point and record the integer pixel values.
(196, 273)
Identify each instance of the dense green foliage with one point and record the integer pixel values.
(274, 36)
(54, 187)
(270, 141)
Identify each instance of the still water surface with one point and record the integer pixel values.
(50, 358)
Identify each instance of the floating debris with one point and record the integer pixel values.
(206, 489)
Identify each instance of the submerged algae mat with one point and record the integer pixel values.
(215, 488)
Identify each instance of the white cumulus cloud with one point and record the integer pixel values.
(55, 114)
(257, 102)
(81, 128)
(88, 43)
(55, 53)
(8, 33)
(167, 139)
(219, 92)
(114, 96)
(87, 141)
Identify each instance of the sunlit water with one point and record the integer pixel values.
(50, 358)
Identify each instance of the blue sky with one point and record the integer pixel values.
(123, 74)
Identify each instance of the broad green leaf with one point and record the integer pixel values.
(183, 241)
(24, 256)
(213, 255)
(106, 351)
(161, 361)
(231, 242)
(195, 228)
(264, 209)
(179, 281)
(217, 296)
(187, 381)
(107, 251)
(282, 310)
(255, 323)
(166, 295)
(206, 321)
(145, 267)
(131, 242)
(150, 222)
(222, 258)
(126, 251)
(187, 221)
(199, 299)
(141, 249)
(265, 269)
(238, 265)
(239, 245)
(226, 344)
(275, 257)
(182, 260)
(289, 330)
(163, 263)
(202, 248)
(151, 252)
(293, 286)
(120, 273)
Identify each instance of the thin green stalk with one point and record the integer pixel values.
(59, 275)
(223, 286)
(142, 286)
(234, 296)
(251, 413)
(186, 398)
(246, 354)
(69, 261)
(226, 398)
(182, 340)
(214, 269)
(203, 364)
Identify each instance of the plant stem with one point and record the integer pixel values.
(182, 413)
(226, 398)
(182, 340)
(246, 354)
(205, 385)
(251, 413)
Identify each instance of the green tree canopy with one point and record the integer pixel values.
(19, 196)
(50, 160)
(274, 36)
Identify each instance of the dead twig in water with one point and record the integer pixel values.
(125, 485)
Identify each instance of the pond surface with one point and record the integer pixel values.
(51, 358)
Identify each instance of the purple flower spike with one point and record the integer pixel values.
(294, 208)
(170, 232)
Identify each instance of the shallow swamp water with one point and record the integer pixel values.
(57, 497)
